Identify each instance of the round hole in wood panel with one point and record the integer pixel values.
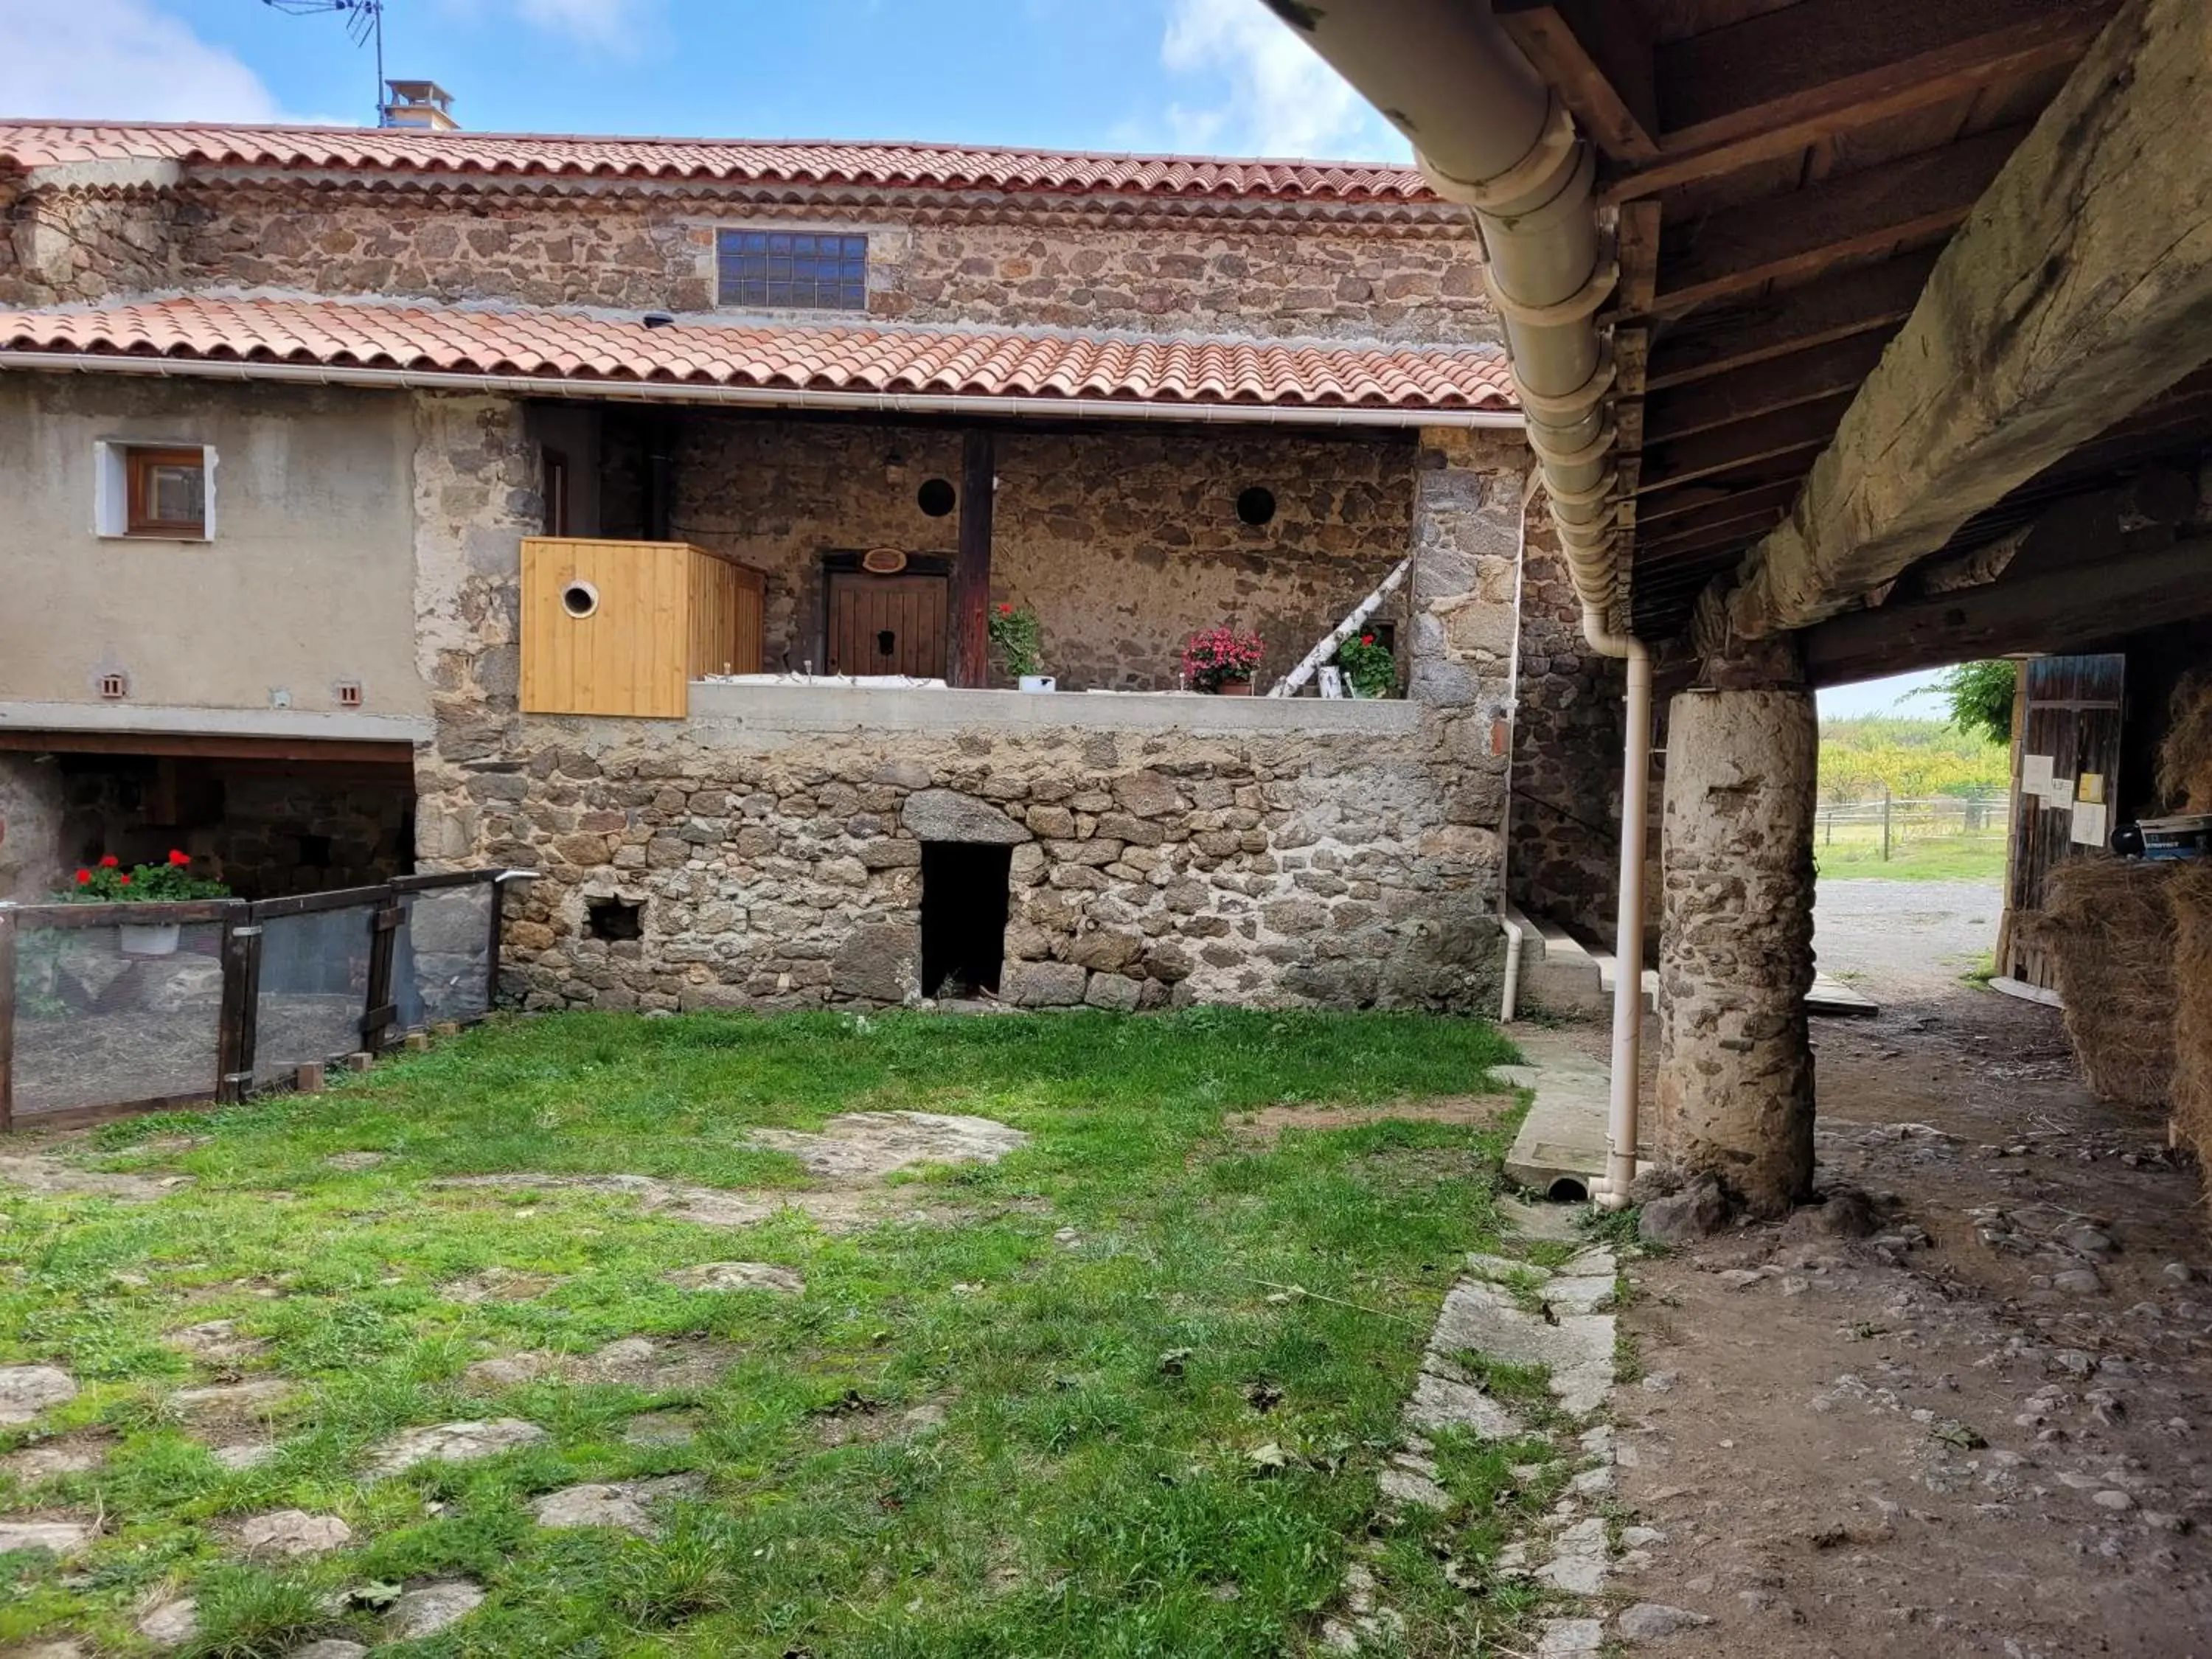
(935, 497)
(579, 599)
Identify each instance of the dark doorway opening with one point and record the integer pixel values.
(963, 916)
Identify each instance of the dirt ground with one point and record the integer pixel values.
(1988, 1428)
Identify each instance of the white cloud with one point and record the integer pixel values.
(121, 60)
(613, 23)
(1279, 98)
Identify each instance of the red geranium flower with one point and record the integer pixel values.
(110, 862)
(83, 878)
(125, 880)
(1367, 639)
(180, 858)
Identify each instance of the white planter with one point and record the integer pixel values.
(148, 939)
(1039, 682)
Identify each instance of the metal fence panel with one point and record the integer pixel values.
(313, 988)
(110, 1015)
(441, 963)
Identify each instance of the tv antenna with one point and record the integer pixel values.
(364, 22)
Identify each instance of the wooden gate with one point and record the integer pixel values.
(2068, 708)
(887, 624)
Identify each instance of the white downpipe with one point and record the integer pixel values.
(1509, 996)
(1610, 1191)
(1508, 999)
(1491, 133)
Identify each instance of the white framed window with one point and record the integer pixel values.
(155, 491)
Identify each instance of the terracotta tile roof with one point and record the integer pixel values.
(28, 144)
(566, 347)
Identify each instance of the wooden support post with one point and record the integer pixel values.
(2080, 290)
(971, 571)
(384, 933)
(308, 1078)
(241, 995)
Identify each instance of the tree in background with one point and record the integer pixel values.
(1979, 696)
(1913, 759)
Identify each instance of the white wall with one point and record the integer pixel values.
(309, 580)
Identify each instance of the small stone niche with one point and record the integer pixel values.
(613, 918)
(964, 888)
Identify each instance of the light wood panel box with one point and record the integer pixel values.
(622, 628)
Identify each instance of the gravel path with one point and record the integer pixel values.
(1905, 940)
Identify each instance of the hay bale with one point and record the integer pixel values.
(2185, 754)
(2189, 894)
(2110, 932)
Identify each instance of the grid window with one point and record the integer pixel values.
(773, 269)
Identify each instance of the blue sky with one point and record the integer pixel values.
(1178, 75)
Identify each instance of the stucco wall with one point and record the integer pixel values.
(307, 583)
(1070, 268)
(1124, 539)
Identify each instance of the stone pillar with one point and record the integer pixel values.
(1735, 952)
(30, 828)
(1458, 649)
(476, 498)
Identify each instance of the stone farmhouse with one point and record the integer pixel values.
(630, 511)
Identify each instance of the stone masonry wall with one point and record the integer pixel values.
(1565, 831)
(1339, 868)
(1069, 267)
(1125, 540)
(57, 247)
(656, 252)
(1340, 871)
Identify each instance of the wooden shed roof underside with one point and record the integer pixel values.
(1785, 174)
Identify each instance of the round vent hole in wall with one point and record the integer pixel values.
(579, 599)
(935, 497)
(1255, 505)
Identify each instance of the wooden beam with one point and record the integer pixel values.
(1658, 511)
(1794, 237)
(1806, 427)
(354, 752)
(1785, 79)
(970, 664)
(1745, 518)
(2080, 291)
(1837, 307)
(1598, 58)
(1763, 388)
(1657, 555)
(2047, 611)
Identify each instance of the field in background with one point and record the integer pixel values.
(1910, 800)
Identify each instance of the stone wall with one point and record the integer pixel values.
(1566, 831)
(1069, 268)
(1352, 864)
(31, 806)
(61, 246)
(1064, 264)
(1341, 869)
(1125, 540)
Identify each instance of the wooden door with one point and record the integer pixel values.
(887, 624)
(2068, 709)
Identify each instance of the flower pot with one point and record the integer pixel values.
(148, 939)
(1039, 682)
(1233, 688)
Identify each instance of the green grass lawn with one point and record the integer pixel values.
(1853, 854)
(1085, 1494)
